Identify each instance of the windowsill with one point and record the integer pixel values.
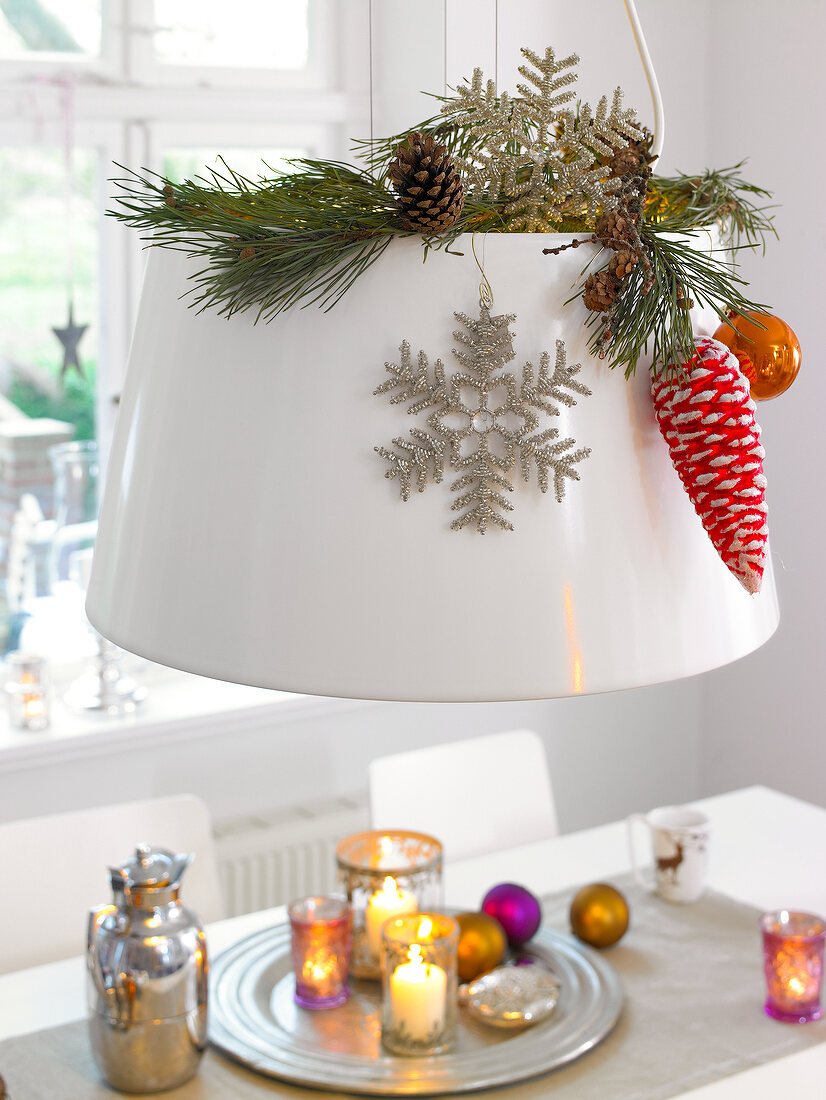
(179, 707)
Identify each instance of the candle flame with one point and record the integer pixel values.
(34, 706)
(415, 954)
(425, 928)
(390, 886)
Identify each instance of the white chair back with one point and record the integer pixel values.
(479, 795)
(54, 869)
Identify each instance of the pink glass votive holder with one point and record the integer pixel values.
(321, 939)
(793, 963)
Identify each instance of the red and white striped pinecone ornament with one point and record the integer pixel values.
(707, 418)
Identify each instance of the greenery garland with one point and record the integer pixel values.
(303, 237)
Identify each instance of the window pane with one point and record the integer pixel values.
(34, 280)
(245, 34)
(183, 164)
(65, 27)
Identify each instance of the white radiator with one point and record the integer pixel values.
(270, 859)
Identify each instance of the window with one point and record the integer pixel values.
(166, 85)
(56, 29)
(49, 238)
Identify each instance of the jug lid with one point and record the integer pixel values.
(152, 867)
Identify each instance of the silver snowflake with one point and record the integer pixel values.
(542, 156)
(482, 421)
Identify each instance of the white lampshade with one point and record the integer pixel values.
(248, 533)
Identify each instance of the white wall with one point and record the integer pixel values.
(609, 755)
(763, 718)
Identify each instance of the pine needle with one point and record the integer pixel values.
(658, 323)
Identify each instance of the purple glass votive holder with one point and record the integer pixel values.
(321, 939)
(793, 964)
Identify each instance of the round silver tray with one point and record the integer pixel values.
(254, 1020)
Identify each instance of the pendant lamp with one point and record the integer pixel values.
(247, 532)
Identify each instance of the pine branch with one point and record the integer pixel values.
(717, 197)
(658, 322)
(268, 245)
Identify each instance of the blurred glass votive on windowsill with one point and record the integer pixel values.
(27, 692)
(321, 942)
(793, 964)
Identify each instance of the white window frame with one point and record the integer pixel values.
(320, 72)
(129, 108)
(107, 65)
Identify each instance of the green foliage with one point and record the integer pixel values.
(76, 405)
(306, 236)
(717, 197)
(657, 321)
(300, 237)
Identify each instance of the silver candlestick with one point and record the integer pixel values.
(104, 689)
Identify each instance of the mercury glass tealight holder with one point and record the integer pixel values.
(386, 874)
(793, 963)
(27, 692)
(321, 941)
(419, 1006)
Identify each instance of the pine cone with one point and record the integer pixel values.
(635, 155)
(601, 290)
(624, 262)
(615, 228)
(430, 190)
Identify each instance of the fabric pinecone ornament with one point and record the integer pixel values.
(707, 418)
(429, 188)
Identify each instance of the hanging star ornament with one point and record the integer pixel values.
(70, 337)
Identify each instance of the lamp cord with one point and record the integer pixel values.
(650, 76)
(370, 52)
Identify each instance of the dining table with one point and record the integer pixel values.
(767, 850)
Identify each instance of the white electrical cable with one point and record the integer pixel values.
(370, 52)
(650, 76)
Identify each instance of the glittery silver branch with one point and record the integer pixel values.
(541, 156)
(482, 420)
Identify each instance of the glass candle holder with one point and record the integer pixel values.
(793, 963)
(383, 875)
(419, 1006)
(321, 941)
(27, 692)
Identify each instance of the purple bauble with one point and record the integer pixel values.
(516, 909)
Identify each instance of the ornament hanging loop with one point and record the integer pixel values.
(485, 289)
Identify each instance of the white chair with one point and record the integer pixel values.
(476, 796)
(54, 869)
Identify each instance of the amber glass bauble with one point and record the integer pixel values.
(599, 915)
(482, 944)
(769, 357)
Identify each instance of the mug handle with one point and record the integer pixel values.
(630, 821)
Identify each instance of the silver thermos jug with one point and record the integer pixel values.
(147, 977)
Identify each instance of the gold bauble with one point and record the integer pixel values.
(482, 944)
(769, 357)
(599, 915)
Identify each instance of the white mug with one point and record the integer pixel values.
(679, 841)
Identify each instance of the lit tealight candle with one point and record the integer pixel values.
(321, 932)
(388, 902)
(321, 975)
(418, 992)
(385, 860)
(793, 961)
(28, 699)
